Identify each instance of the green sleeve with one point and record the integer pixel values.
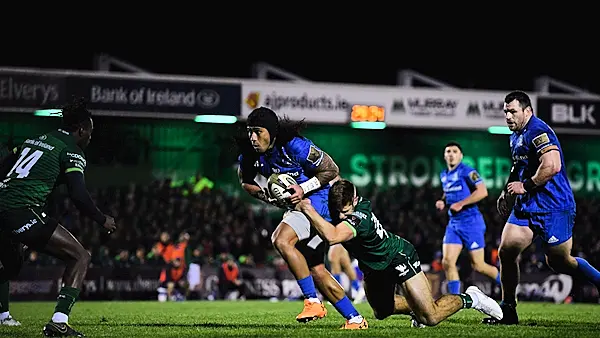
(72, 159)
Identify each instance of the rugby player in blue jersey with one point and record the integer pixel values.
(544, 204)
(463, 189)
(272, 146)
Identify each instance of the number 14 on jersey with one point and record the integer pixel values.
(25, 163)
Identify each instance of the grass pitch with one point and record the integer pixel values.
(266, 319)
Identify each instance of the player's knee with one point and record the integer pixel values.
(478, 266)
(508, 253)
(428, 319)
(381, 314)
(83, 258)
(281, 243)
(283, 240)
(561, 263)
(448, 263)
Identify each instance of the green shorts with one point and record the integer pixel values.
(381, 284)
(30, 226)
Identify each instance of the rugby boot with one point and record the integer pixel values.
(311, 311)
(10, 321)
(484, 304)
(53, 329)
(510, 316)
(356, 323)
(414, 322)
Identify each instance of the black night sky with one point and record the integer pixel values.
(471, 66)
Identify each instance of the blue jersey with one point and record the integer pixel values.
(526, 147)
(458, 184)
(298, 158)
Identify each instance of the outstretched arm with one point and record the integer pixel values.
(333, 234)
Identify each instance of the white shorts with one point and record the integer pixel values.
(301, 226)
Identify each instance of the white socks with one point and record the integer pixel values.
(4, 315)
(356, 319)
(314, 300)
(60, 317)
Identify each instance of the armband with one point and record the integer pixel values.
(529, 185)
(310, 185)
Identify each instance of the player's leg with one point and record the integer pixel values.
(380, 287)
(11, 257)
(516, 237)
(335, 265)
(430, 312)
(478, 263)
(314, 249)
(64, 246)
(294, 227)
(335, 293)
(339, 260)
(451, 248)
(349, 270)
(475, 242)
(556, 231)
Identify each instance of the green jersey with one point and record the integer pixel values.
(372, 245)
(41, 166)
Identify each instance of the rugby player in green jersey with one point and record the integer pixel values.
(38, 166)
(388, 260)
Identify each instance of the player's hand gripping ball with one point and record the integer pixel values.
(279, 187)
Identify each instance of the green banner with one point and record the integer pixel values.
(414, 157)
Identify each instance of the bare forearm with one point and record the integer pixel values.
(475, 196)
(255, 191)
(543, 174)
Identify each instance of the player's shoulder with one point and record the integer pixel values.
(465, 169)
(538, 126)
(363, 208)
(297, 143)
(539, 132)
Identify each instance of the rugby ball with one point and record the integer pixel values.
(279, 185)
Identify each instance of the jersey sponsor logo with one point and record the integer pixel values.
(474, 176)
(40, 144)
(360, 214)
(77, 160)
(402, 269)
(353, 220)
(520, 157)
(25, 227)
(449, 188)
(541, 140)
(314, 155)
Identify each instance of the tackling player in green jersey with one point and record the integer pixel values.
(41, 164)
(388, 260)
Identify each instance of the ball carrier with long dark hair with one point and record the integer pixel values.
(274, 145)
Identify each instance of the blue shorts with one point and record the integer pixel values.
(469, 232)
(553, 228)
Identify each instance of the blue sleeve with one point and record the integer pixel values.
(305, 153)
(472, 177)
(542, 138)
